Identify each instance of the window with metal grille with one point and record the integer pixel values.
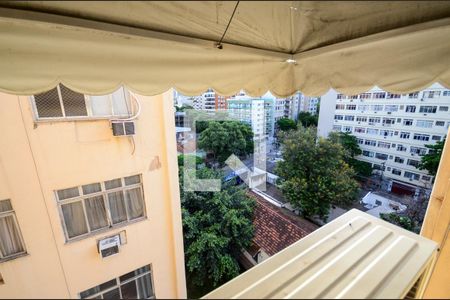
(62, 102)
(137, 284)
(97, 206)
(11, 241)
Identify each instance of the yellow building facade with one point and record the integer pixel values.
(68, 184)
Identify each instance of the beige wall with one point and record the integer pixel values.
(437, 226)
(35, 161)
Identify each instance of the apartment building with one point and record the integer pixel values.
(89, 197)
(257, 112)
(221, 102)
(309, 104)
(279, 108)
(392, 130)
(292, 106)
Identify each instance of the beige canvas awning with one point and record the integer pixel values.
(287, 46)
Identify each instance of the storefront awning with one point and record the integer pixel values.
(283, 47)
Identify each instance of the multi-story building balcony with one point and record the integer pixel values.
(394, 129)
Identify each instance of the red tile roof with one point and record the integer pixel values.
(276, 229)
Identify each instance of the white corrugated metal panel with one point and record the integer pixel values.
(354, 256)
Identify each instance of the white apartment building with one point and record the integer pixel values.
(392, 130)
(309, 104)
(279, 109)
(292, 106)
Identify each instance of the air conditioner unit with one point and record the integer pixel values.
(122, 128)
(110, 245)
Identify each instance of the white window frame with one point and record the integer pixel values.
(424, 123)
(391, 108)
(372, 131)
(428, 109)
(408, 122)
(377, 107)
(385, 145)
(361, 119)
(410, 108)
(413, 95)
(104, 193)
(372, 143)
(119, 284)
(379, 95)
(87, 103)
(405, 135)
(12, 213)
(421, 137)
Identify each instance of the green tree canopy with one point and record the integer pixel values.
(401, 221)
(225, 138)
(352, 149)
(307, 119)
(183, 107)
(314, 173)
(216, 226)
(286, 124)
(181, 157)
(430, 161)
